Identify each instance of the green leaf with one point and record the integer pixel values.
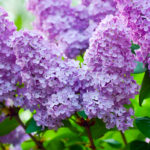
(7, 125)
(28, 145)
(127, 147)
(25, 115)
(76, 147)
(32, 127)
(55, 145)
(143, 124)
(134, 47)
(139, 68)
(113, 143)
(82, 114)
(98, 129)
(18, 22)
(60, 137)
(61, 134)
(138, 77)
(139, 145)
(145, 88)
(80, 59)
(67, 123)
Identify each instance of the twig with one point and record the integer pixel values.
(38, 143)
(86, 124)
(90, 137)
(124, 138)
(14, 113)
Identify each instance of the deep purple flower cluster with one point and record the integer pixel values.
(110, 59)
(137, 15)
(9, 71)
(67, 24)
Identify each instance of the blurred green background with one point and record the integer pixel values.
(18, 13)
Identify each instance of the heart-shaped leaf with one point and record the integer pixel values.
(32, 127)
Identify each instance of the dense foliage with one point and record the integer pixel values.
(78, 79)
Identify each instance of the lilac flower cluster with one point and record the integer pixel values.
(57, 87)
(60, 21)
(110, 59)
(99, 9)
(54, 86)
(67, 24)
(9, 71)
(137, 15)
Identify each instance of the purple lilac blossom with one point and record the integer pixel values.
(137, 15)
(2, 117)
(70, 25)
(58, 88)
(99, 9)
(53, 86)
(62, 22)
(9, 71)
(110, 59)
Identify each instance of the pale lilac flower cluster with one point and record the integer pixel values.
(110, 59)
(9, 71)
(99, 9)
(62, 22)
(137, 15)
(67, 24)
(54, 86)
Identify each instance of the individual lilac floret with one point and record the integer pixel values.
(137, 15)
(2, 117)
(62, 22)
(110, 59)
(52, 85)
(9, 71)
(86, 2)
(16, 137)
